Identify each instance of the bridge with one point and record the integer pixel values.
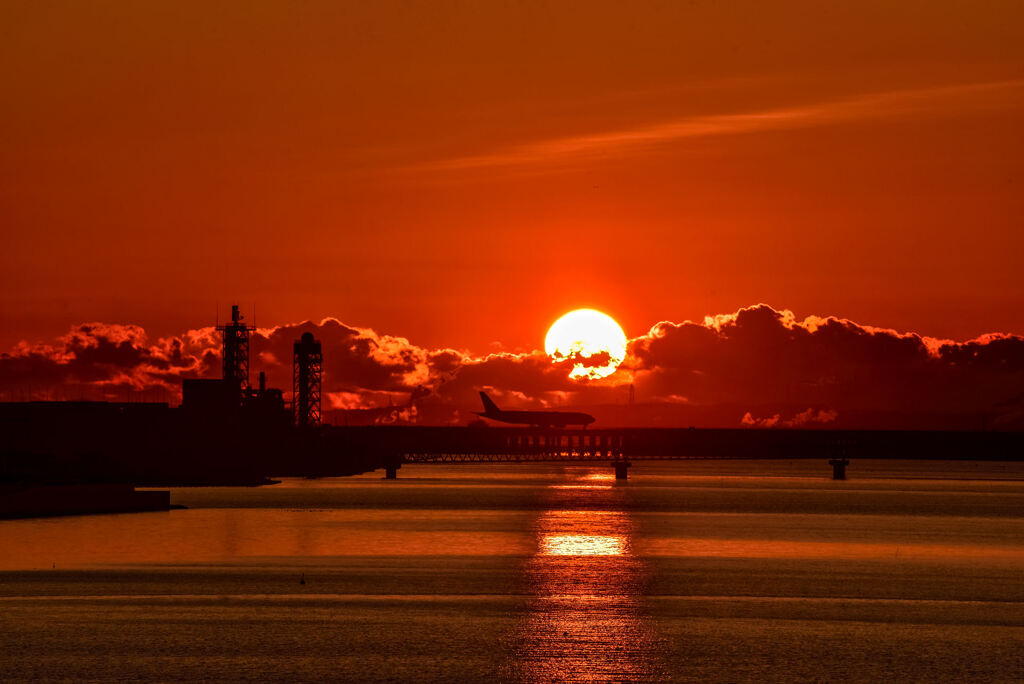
(619, 447)
(518, 445)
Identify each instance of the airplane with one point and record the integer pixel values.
(533, 418)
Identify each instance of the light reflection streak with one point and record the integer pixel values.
(584, 619)
(582, 545)
(578, 486)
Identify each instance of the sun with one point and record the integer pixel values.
(591, 338)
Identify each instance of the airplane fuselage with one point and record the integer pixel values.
(534, 418)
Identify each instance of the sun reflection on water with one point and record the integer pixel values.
(582, 545)
(584, 619)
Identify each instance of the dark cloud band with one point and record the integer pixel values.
(758, 366)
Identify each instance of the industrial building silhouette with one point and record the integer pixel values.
(232, 392)
(225, 431)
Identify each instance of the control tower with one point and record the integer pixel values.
(307, 373)
(235, 352)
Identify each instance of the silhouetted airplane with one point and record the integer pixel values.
(536, 418)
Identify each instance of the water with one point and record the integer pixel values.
(688, 572)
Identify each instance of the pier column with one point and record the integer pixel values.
(391, 470)
(621, 469)
(839, 468)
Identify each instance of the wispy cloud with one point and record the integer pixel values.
(609, 144)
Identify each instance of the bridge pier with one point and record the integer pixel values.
(391, 471)
(621, 469)
(839, 468)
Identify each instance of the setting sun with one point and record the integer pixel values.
(588, 337)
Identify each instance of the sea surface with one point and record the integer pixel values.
(910, 571)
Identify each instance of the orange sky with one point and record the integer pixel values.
(462, 173)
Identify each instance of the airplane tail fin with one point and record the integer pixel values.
(489, 406)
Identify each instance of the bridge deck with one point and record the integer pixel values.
(574, 456)
(421, 444)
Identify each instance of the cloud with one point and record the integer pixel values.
(105, 361)
(766, 358)
(570, 150)
(355, 359)
(756, 366)
(802, 419)
(759, 422)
